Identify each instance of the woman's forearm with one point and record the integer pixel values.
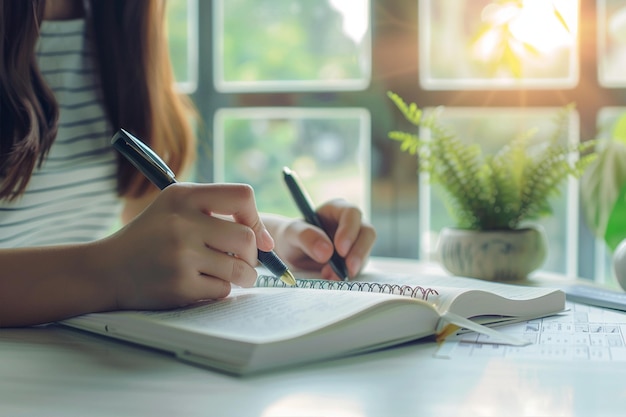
(40, 285)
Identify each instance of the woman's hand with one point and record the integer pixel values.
(304, 246)
(190, 244)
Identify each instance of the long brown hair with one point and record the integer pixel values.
(138, 90)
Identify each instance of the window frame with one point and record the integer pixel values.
(395, 190)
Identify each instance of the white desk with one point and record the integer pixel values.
(53, 371)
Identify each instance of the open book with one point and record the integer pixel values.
(261, 328)
(485, 302)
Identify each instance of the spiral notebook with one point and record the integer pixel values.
(484, 302)
(263, 328)
(414, 291)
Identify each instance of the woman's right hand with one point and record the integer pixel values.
(190, 244)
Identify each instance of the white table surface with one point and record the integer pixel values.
(54, 371)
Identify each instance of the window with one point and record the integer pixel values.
(328, 148)
(182, 27)
(611, 43)
(495, 45)
(291, 45)
(303, 83)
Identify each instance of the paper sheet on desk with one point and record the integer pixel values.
(582, 333)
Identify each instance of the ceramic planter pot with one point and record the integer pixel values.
(495, 255)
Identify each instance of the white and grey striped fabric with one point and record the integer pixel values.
(72, 197)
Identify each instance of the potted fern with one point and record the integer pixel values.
(492, 198)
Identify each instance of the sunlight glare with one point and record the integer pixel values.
(355, 17)
(538, 25)
(535, 23)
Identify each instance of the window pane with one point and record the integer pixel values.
(328, 148)
(292, 45)
(485, 125)
(612, 42)
(182, 37)
(467, 44)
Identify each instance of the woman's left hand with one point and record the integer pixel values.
(304, 246)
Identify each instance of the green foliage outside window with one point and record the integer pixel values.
(178, 38)
(286, 40)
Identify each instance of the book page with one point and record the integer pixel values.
(452, 284)
(470, 297)
(448, 286)
(467, 297)
(263, 314)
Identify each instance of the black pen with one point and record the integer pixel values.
(303, 201)
(153, 167)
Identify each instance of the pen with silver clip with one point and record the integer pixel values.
(153, 167)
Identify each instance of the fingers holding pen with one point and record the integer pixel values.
(185, 232)
(182, 248)
(237, 201)
(222, 205)
(352, 237)
(228, 223)
(229, 251)
(343, 221)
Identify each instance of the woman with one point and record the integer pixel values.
(72, 72)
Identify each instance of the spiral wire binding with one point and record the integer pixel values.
(414, 291)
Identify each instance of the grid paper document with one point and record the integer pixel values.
(581, 333)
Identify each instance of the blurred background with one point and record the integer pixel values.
(303, 83)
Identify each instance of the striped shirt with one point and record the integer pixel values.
(72, 197)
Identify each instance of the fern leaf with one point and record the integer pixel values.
(408, 142)
(495, 191)
(411, 112)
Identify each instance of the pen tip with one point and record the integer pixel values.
(288, 278)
